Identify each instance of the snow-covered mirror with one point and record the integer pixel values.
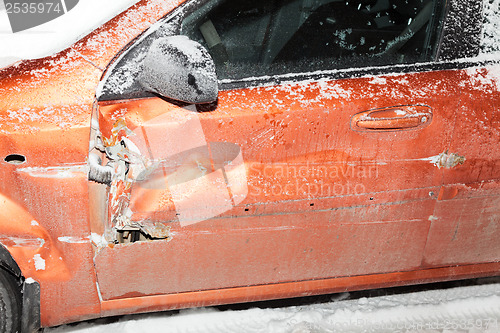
(180, 69)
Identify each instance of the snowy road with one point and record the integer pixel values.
(471, 309)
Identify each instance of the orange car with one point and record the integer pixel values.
(203, 152)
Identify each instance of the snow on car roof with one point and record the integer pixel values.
(58, 34)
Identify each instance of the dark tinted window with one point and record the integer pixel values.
(265, 37)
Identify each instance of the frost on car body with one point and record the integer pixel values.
(349, 145)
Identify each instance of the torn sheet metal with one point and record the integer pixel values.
(164, 166)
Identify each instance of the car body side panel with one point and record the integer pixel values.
(259, 249)
(378, 194)
(45, 109)
(466, 225)
(46, 246)
(44, 214)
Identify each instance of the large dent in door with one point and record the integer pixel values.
(164, 170)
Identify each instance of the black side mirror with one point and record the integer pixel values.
(181, 69)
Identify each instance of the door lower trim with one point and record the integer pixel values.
(293, 289)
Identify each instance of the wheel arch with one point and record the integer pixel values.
(29, 290)
(9, 264)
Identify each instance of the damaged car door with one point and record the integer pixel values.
(322, 155)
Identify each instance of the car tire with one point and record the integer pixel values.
(10, 303)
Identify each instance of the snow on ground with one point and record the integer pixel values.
(470, 309)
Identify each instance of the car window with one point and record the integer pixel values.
(265, 37)
(254, 42)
